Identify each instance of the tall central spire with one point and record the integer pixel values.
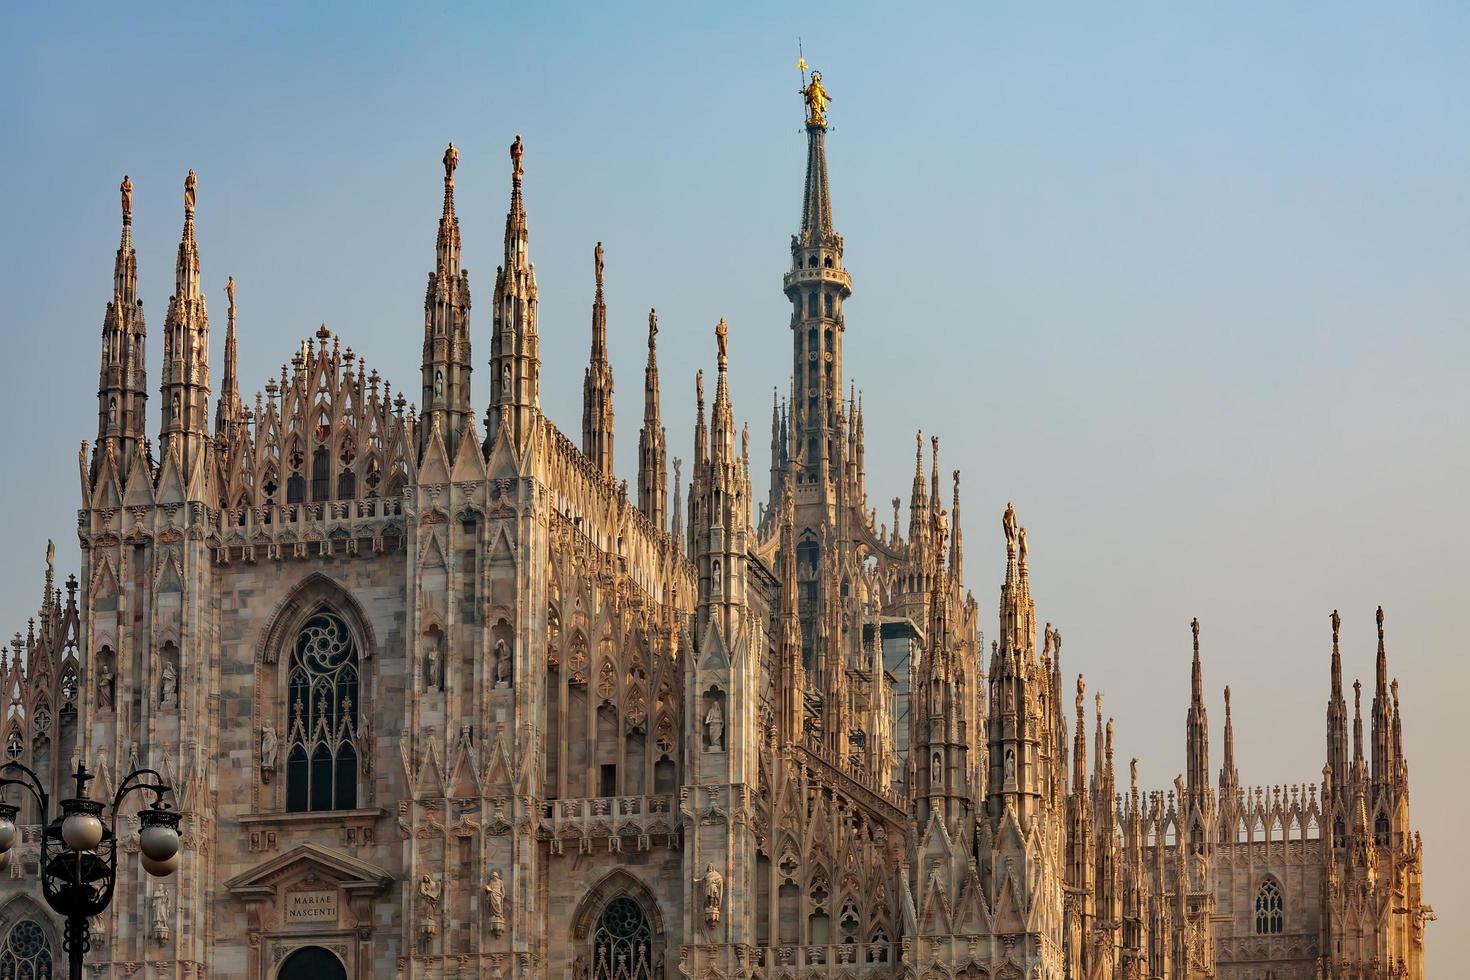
(816, 286)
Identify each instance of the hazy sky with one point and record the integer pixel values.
(1188, 284)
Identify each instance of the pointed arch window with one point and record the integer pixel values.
(26, 953)
(1269, 908)
(322, 757)
(622, 945)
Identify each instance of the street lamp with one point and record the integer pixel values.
(79, 851)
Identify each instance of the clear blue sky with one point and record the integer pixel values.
(1187, 283)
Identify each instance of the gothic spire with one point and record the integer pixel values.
(1229, 775)
(653, 469)
(676, 529)
(597, 384)
(228, 411)
(1337, 720)
(720, 506)
(446, 363)
(957, 544)
(816, 286)
(792, 671)
(185, 382)
(1382, 714)
(1196, 725)
(122, 385)
(515, 345)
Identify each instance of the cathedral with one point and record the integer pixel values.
(440, 695)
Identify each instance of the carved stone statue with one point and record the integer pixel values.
(126, 190)
(722, 337)
(429, 892)
(516, 152)
(1021, 549)
(104, 685)
(169, 691)
(714, 726)
(714, 894)
(816, 97)
(1008, 524)
(597, 263)
(1199, 869)
(158, 912)
(1010, 767)
(936, 772)
(495, 902)
(267, 751)
(451, 161)
(434, 681)
(502, 664)
(191, 190)
(230, 292)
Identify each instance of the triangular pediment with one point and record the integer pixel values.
(341, 869)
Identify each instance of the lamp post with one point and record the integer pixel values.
(79, 851)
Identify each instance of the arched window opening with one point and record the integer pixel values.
(622, 944)
(1268, 908)
(26, 953)
(295, 488)
(321, 474)
(322, 759)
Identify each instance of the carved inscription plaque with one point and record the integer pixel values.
(311, 907)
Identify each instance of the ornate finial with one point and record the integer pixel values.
(1227, 699)
(652, 327)
(516, 152)
(722, 333)
(1081, 694)
(597, 264)
(451, 162)
(126, 190)
(1133, 773)
(191, 190)
(230, 292)
(817, 97)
